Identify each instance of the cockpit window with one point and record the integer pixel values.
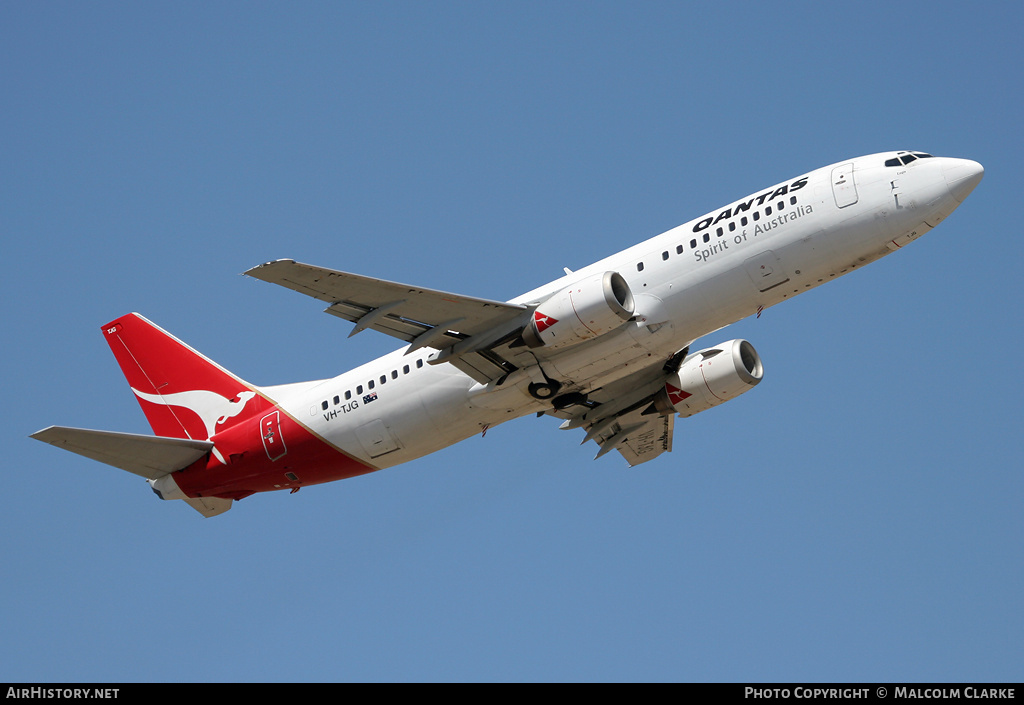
(906, 157)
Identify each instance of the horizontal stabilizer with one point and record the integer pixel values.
(152, 457)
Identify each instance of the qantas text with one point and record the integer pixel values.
(744, 206)
(704, 253)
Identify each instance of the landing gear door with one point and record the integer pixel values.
(766, 271)
(843, 187)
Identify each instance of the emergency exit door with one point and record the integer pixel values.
(273, 441)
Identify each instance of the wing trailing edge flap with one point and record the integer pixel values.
(150, 457)
(481, 367)
(618, 420)
(648, 441)
(419, 316)
(637, 438)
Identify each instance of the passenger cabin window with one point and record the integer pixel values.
(664, 255)
(639, 266)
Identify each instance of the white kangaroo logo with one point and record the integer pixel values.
(212, 408)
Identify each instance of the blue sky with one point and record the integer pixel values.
(856, 517)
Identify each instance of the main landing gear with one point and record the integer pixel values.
(549, 390)
(544, 390)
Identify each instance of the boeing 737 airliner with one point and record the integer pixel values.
(606, 349)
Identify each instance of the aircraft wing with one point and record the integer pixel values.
(636, 436)
(468, 326)
(622, 418)
(647, 441)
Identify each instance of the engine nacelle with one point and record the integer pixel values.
(710, 377)
(585, 310)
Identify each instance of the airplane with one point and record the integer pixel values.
(606, 349)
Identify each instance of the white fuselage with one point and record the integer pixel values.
(688, 282)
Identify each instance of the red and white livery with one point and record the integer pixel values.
(606, 348)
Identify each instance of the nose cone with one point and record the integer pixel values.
(962, 175)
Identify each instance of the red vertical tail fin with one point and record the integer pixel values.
(182, 393)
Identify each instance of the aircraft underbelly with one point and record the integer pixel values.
(419, 421)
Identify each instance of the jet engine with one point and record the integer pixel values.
(708, 378)
(585, 310)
